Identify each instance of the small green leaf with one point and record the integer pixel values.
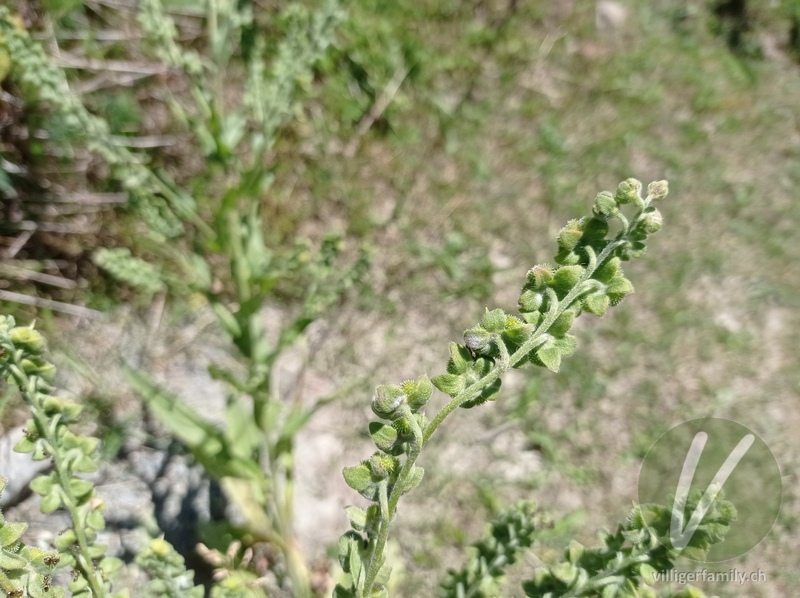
(42, 484)
(563, 323)
(575, 552)
(50, 502)
(84, 465)
(550, 356)
(414, 478)
(460, 359)
(10, 533)
(95, 519)
(97, 551)
(384, 574)
(530, 300)
(354, 562)
(10, 561)
(596, 303)
(110, 564)
(65, 540)
(607, 271)
(349, 542)
(566, 277)
(342, 592)
(566, 344)
(79, 487)
(450, 384)
(25, 445)
(358, 477)
(383, 435)
(648, 573)
(361, 479)
(39, 453)
(620, 285)
(241, 431)
(358, 517)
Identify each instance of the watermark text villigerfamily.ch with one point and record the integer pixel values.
(731, 576)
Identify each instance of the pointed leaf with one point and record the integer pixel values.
(550, 356)
(596, 303)
(11, 532)
(358, 477)
(42, 484)
(25, 445)
(383, 435)
(50, 502)
(450, 384)
(358, 517)
(563, 323)
(414, 478)
(460, 359)
(79, 487)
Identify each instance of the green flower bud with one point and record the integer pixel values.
(605, 205)
(651, 222)
(540, 275)
(387, 401)
(530, 300)
(418, 392)
(570, 235)
(628, 191)
(517, 331)
(494, 321)
(160, 547)
(27, 338)
(477, 339)
(382, 466)
(657, 190)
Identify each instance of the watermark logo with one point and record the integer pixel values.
(705, 457)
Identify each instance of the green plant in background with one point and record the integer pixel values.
(588, 278)
(228, 260)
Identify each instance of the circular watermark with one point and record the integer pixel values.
(687, 466)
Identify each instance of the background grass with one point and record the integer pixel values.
(508, 118)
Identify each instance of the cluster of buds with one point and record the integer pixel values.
(587, 277)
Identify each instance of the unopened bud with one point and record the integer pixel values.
(628, 191)
(530, 300)
(27, 338)
(651, 223)
(387, 401)
(657, 190)
(540, 275)
(494, 321)
(570, 235)
(477, 339)
(605, 205)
